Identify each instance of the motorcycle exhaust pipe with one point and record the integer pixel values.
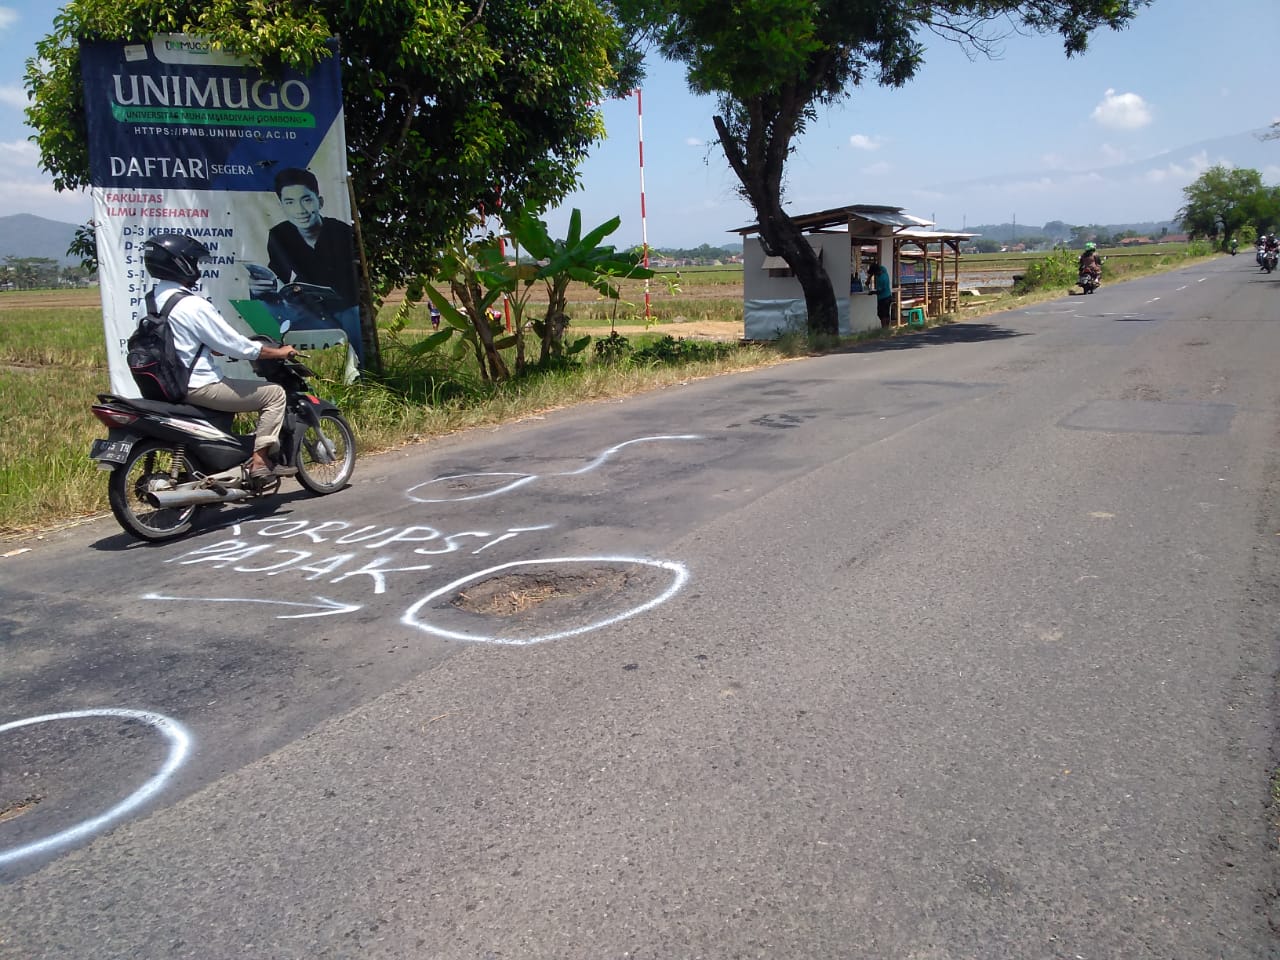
(163, 499)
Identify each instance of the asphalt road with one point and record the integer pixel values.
(962, 646)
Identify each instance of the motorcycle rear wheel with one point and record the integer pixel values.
(326, 457)
(148, 465)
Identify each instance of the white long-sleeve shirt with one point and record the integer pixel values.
(196, 321)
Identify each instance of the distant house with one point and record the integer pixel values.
(1174, 238)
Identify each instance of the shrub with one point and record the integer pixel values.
(1059, 269)
(612, 348)
(670, 350)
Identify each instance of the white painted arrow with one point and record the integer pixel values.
(324, 608)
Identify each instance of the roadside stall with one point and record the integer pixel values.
(848, 240)
(924, 282)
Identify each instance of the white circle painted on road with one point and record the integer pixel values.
(520, 480)
(179, 747)
(680, 577)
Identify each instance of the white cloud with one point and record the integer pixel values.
(1036, 185)
(876, 169)
(18, 153)
(860, 141)
(12, 95)
(1179, 172)
(1112, 155)
(1122, 111)
(8, 17)
(694, 142)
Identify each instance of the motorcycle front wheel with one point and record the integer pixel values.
(148, 467)
(326, 455)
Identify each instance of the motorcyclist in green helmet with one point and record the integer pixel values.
(1090, 262)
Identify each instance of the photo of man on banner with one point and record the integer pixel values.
(309, 282)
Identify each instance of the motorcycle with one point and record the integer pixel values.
(1269, 258)
(169, 460)
(1089, 281)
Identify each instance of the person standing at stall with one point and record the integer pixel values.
(878, 282)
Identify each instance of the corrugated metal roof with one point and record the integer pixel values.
(916, 234)
(840, 217)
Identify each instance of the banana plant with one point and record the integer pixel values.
(469, 269)
(578, 257)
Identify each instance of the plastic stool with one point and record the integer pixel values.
(915, 317)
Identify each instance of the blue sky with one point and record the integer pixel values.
(1109, 137)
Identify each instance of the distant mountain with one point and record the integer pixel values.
(1058, 230)
(25, 235)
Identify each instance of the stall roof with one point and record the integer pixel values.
(932, 236)
(840, 216)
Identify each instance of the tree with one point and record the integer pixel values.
(1058, 230)
(1263, 210)
(449, 106)
(1083, 234)
(578, 258)
(1221, 201)
(478, 273)
(773, 64)
(31, 273)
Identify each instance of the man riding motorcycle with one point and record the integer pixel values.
(1268, 252)
(199, 330)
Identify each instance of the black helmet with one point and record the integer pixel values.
(174, 256)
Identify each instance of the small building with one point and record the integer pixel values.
(848, 240)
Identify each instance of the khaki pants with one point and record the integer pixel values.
(247, 396)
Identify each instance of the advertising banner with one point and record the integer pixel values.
(187, 139)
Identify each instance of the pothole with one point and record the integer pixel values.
(516, 593)
(549, 598)
(16, 808)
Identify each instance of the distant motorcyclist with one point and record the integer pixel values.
(1270, 253)
(1090, 262)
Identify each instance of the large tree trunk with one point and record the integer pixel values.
(785, 239)
(758, 165)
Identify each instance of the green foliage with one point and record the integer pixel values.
(449, 107)
(1058, 269)
(613, 348)
(578, 258)
(473, 270)
(1222, 200)
(704, 253)
(669, 350)
(35, 273)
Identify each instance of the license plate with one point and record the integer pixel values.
(113, 451)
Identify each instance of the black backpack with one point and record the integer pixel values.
(152, 357)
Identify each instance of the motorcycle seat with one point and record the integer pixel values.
(219, 418)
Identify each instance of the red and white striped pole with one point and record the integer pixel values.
(644, 225)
